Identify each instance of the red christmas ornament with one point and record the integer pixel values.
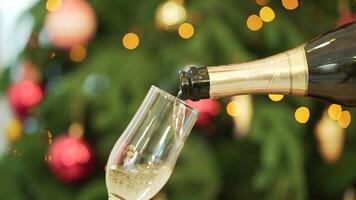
(207, 108)
(23, 96)
(73, 24)
(346, 17)
(70, 159)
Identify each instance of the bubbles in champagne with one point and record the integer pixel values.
(141, 183)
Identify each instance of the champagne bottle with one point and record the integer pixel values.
(324, 68)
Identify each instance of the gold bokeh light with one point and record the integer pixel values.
(267, 14)
(76, 130)
(302, 115)
(276, 97)
(186, 30)
(344, 119)
(231, 108)
(130, 41)
(77, 53)
(53, 54)
(170, 14)
(334, 111)
(290, 4)
(14, 130)
(53, 5)
(254, 23)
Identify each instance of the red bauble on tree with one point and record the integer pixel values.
(74, 23)
(70, 159)
(23, 96)
(207, 108)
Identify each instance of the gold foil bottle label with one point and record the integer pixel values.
(284, 73)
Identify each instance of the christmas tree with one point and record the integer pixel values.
(87, 65)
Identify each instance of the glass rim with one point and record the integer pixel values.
(174, 98)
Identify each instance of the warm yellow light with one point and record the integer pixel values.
(267, 14)
(77, 53)
(302, 115)
(130, 41)
(254, 23)
(50, 137)
(241, 109)
(186, 30)
(53, 5)
(14, 130)
(344, 119)
(172, 13)
(290, 4)
(53, 54)
(48, 158)
(276, 97)
(334, 111)
(331, 138)
(231, 109)
(76, 130)
(262, 2)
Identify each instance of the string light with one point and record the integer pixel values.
(262, 2)
(76, 130)
(242, 114)
(186, 30)
(77, 53)
(267, 14)
(302, 115)
(334, 111)
(14, 152)
(14, 130)
(344, 119)
(231, 108)
(170, 14)
(53, 54)
(47, 158)
(130, 41)
(290, 4)
(49, 137)
(331, 138)
(276, 97)
(254, 23)
(53, 5)
(349, 194)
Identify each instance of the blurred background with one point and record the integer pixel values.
(73, 73)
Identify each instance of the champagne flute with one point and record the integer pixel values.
(143, 158)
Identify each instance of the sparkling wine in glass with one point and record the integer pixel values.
(143, 158)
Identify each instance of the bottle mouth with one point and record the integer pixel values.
(185, 82)
(194, 83)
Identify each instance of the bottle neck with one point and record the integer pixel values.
(284, 73)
